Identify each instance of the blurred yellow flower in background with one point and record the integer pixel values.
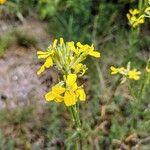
(134, 18)
(116, 70)
(2, 2)
(126, 73)
(133, 74)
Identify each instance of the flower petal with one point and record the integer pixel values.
(61, 41)
(49, 62)
(69, 99)
(94, 54)
(57, 89)
(49, 96)
(81, 93)
(71, 79)
(55, 43)
(42, 69)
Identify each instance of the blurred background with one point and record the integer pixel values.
(26, 120)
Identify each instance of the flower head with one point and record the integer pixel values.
(68, 58)
(2, 2)
(55, 94)
(126, 73)
(134, 18)
(133, 74)
(117, 70)
(69, 93)
(147, 12)
(88, 50)
(73, 92)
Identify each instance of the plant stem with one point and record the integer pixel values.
(140, 4)
(76, 120)
(76, 117)
(146, 80)
(131, 91)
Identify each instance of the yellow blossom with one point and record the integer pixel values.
(79, 68)
(116, 70)
(2, 2)
(55, 94)
(72, 47)
(147, 69)
(147, 12)
(89, 50)
(69, 94)
(73, 92)
(133, 74)
(126, 73)
(134, 11)
(48, 62)
(67, 58)
(134, 19)
(61, 41)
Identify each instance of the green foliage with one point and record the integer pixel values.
(12, 37)
(104, 24)
(6, 143)
(5, 41)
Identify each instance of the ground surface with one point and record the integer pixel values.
(18, 79)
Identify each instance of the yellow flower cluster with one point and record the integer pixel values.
(2, 2)
(134, 18)
(147, 12)
(126, 73)
(137, 17)
(67, 58)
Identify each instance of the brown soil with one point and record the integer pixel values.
(18, 80)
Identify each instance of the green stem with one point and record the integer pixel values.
(146, 80)
(145, 83)
(76, 117)
(140, 4)
(76, 120)
(131, 90)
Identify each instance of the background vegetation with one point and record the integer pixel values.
(111, 117)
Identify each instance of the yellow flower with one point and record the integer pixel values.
(54, 44)
(138, 21)
(55, 94)
(67, 58)
(133, 74)
(72, 47)
(147, 12)
(61, 41)
(147, 69)
(48, 62)
(48, 56)
(79, 68)
(69, 94)
(73, 92)
(2, 2)
(134, 19)
(116, 70)
(88, 50)
(134, 11)
(126, 73)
